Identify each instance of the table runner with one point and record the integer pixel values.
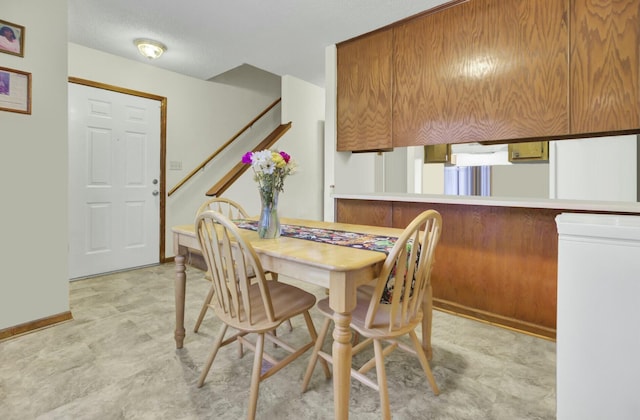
(331, 236)
(340, 237)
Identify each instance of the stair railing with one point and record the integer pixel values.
(226, 181)
(223, 147)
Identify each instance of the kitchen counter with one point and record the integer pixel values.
(541, 203)
(497, 258)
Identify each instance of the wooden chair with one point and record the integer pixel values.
(403, 280)
(248, 304)
(232, 210)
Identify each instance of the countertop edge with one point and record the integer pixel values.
(603, 206)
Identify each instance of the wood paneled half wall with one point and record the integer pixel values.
(493, 263)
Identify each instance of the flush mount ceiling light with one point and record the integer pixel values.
(150, 48)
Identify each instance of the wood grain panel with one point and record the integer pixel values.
(483, 70)
(498, 264)
(364, 93)
(363, 212)
(605, 60)
(500, 260)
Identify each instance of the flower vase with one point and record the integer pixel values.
(269, 223)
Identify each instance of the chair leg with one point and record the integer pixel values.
(255, 377)
(314, 354)
(382, 380)
(314, 337)
(214, 351)
(240, 349)
(203, 311)
(274, 333)
(424, 362)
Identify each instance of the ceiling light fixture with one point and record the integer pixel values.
(150, 48)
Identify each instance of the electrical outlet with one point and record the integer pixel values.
(175, 165)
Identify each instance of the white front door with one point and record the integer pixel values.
(114, 172)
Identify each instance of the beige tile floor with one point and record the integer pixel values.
(117, 360)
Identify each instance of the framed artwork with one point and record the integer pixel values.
(15, 91)
(11, 38)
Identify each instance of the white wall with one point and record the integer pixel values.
(303, 105)
(330, 110)
(33, 174)
(520, 180)
(396, 170)
(201, 116)
(433, 178)
(602, 168)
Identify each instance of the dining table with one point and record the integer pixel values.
(340, 269)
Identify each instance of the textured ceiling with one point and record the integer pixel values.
(205, 38)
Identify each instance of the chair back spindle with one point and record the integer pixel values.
(225, 206)
(408, 272)
(234, 268)
(233, 211)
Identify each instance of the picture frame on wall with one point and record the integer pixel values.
(11, 38)
(15, 91)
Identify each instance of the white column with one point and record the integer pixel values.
(598, 324)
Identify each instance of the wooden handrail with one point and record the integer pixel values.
(240, 168)
(224, 146)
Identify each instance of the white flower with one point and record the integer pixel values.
(270, 168)
(261, 159)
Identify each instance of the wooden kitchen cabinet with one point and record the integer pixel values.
(364, 93)
(484, 70)
(437, 153)
(492, 71)
(534, 151)
(604, 65)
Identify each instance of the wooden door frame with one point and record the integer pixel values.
(163, 145)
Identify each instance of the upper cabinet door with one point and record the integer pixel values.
(605, 43)
(484, 70)
(364, 93)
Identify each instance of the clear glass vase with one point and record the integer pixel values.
(269, 223)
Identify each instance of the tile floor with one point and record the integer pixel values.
(117, 360)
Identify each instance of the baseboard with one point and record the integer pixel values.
(35, 325)
(494, 319)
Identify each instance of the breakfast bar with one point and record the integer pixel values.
(497, 258)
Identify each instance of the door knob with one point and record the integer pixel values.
(155, 192)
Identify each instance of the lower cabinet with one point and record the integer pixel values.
(497, 264)
(598, 317)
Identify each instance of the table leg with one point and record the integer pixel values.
(180, 288)
(427, 316)
(341, 365)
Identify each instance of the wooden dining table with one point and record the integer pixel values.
(340, 269)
